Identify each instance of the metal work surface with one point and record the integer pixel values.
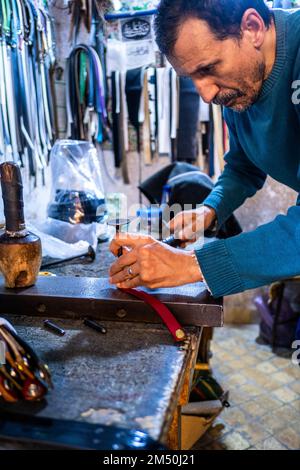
(71, 297)
(134, 376)
(129, 377)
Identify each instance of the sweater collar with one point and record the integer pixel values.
(280, 26)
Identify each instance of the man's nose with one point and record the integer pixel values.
(206, 89)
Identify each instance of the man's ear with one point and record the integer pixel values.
(253, 27)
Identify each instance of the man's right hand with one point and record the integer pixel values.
(188, 226)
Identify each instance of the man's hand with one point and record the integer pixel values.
(188, 226)
(147, 262)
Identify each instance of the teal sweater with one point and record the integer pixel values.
(264, 140)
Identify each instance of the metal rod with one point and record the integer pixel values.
(53, 327)
(89, 254)
(95, 326)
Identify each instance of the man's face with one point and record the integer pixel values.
(228, 72)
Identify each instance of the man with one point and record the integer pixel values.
(246, 58)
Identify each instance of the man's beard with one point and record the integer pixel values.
(249, 93)
(225, 98)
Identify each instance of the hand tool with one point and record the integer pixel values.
(90, 254)
(23, 376)
(20, 250)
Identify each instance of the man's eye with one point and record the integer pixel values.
(205, 71)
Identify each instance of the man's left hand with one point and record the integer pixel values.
(150, 263)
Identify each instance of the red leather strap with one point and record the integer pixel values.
(167, 317)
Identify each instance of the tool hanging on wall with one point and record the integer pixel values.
(86, 109)
(27, 101)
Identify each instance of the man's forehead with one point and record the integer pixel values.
(195, 45)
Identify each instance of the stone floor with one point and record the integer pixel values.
(264, 395)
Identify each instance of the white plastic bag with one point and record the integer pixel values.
(77, 190)
(77, 202)
(56, 248)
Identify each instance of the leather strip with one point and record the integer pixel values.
(146, 122)
(165, 314)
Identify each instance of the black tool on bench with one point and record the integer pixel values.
(90, 254)
(95, 325)
(53, 327)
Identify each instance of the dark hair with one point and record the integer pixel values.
(223, 17)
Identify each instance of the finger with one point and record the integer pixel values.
(130, 283)
(127, 259)
(130, 240)
(124, 275)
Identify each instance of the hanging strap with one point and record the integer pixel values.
(82, 76)
(10, 100)
(146, 121)
(86, 109)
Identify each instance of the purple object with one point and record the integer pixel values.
(280, 328)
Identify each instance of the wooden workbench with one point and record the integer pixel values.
(134, 376)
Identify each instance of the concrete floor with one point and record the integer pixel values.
(264, 395)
